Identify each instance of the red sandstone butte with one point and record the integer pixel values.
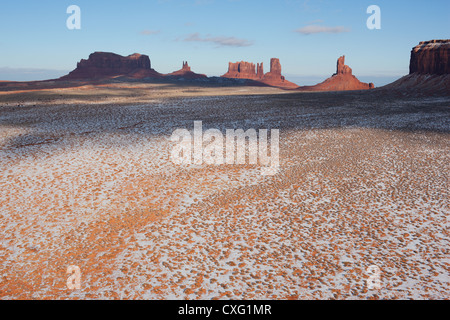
(247, 70)
(342, 80)
(107, 65)
(342, 68)
(260, 71)
(429, 69)
(430, 57)
(186, 73)
(244, 70)
(274, 77)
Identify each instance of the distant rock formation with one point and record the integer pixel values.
(185, 73)
(274, 77)
(275, 66)
(431, 57)
(342, 80)
(341, 67)
(107, 65)
(260, 71)
(244, 70)
(429, 69)
(186, 66)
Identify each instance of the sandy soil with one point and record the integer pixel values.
(86, 180)
(123, 93)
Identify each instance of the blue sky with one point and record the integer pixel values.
(36, 44)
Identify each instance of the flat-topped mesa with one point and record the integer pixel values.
(431, 57)
(243, 70)
(112, 61)
(107, 64)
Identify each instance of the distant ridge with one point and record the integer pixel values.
(108, 66)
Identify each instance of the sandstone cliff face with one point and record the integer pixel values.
(274, 77)
(105, 64)
(260, 71)
(342, 80)
(429, 70)
(185, 73)
(246, 70)
(243, 70)
(431, 57)
(342, 68)
(186, 66)
(275, 66)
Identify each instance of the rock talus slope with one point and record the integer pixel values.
(342, 80)
(186, 73)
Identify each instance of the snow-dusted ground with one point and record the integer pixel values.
(363, 182)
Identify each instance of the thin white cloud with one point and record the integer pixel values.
(314, 29)
(220, 40)
(149, 32)
(316, 21)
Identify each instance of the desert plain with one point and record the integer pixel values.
(86, 179)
